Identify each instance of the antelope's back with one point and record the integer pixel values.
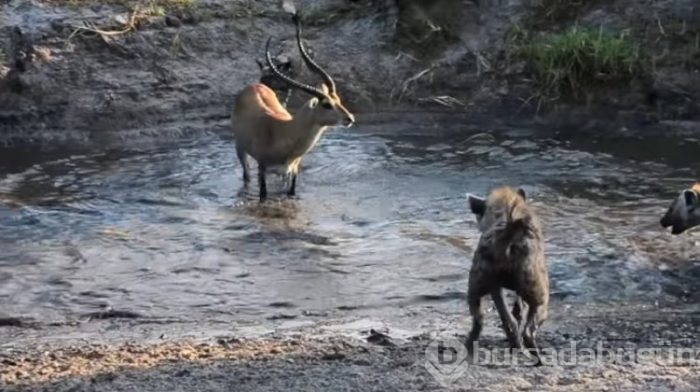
(258, 102)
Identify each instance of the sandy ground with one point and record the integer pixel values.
(312, 358)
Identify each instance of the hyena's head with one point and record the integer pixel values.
(499, 208)
(684, 211)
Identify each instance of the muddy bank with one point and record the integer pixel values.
(177, 71)
(340, 358)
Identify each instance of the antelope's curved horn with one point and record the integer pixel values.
(309, 62)
(318, 93)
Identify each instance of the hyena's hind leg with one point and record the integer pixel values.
(518, 308)
(510, 326)
(536, 315)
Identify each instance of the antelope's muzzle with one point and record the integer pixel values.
(349, 120)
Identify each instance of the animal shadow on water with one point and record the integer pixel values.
(277, 189)
(274, 213)
(509, 255)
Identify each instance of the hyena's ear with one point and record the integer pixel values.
(521, 192)
(691, 198)
(476, 204)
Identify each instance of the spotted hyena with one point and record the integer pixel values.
(509, 255)
(684, 211)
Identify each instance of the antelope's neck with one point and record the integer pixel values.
(304, 134)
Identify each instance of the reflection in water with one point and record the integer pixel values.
(380, 225)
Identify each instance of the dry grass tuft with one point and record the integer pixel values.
(94, 360)
(167, 4)
(409, 82)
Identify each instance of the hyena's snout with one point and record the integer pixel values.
(667, 221)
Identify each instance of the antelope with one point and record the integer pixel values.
(684, 211)
(509, 255)
(266, 131)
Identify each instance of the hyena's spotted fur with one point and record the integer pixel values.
(509, 255)
(684, 211)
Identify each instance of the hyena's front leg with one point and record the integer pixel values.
(477, 319)
(478, 287)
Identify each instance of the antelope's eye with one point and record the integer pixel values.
(326, 105)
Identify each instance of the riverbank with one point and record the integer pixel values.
(353, 356)
(77, 72)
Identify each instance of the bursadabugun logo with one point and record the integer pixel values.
(446, 359)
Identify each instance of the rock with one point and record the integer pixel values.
(172, 21)
(379, 338)
(334, 356)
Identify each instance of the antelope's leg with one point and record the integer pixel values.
(244, 163)
(294, 172)
(261, 181)
(292, 187)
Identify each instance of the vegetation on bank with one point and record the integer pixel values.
(566, 60)
(580, 59)
(676, 43)
(165, 4)
(547, 12)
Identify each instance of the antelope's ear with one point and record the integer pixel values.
(286, 67)
(477, 205)
(521, 192)
(313, 102)
(325, 88)
(261, 65)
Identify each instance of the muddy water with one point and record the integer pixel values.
(380, 226)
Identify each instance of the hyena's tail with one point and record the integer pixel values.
(518, 225)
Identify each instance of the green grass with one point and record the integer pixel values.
(580, 59)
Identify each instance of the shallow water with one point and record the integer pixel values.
(379, 227)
